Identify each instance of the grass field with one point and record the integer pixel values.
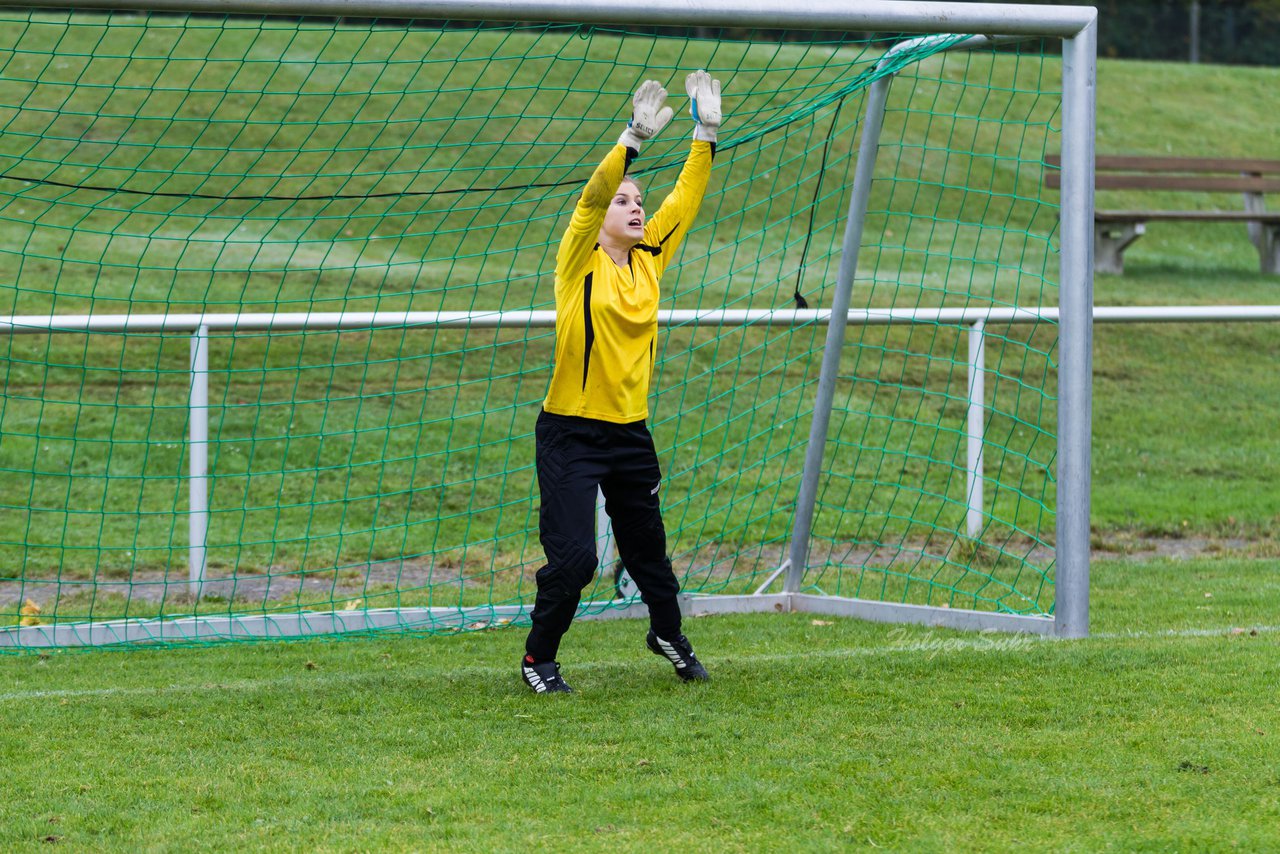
(1157, 733)
(333, 453)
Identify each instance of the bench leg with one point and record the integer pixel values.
(1268, 244)
(1110, 239)
(1254, 203)
(1264, 235)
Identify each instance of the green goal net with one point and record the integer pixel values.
(183, 188)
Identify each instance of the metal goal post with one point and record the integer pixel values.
(1074, 26)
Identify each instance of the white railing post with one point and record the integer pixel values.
(198, 457)
(976, 426)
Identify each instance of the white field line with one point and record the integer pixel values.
(1186, 633)
(924, 644)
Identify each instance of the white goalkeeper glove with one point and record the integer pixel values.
(704, 104)
(648, 116)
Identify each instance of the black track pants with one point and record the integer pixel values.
(574, 456)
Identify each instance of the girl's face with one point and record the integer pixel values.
(624, 220)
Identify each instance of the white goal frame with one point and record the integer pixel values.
(1075, 26)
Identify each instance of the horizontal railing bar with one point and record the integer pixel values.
(1185, 313)
(865, 15)
(34, 324)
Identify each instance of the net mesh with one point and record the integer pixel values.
(157, 164)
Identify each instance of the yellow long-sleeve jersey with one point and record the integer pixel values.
(607, 315)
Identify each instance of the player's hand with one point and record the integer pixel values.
(704, 104)
(648, 115)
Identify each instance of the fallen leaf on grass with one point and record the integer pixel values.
(820, 622)
(481, 625)
(29, 612)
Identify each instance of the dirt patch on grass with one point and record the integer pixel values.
(705, 567)
(277, 584)
(1125, 546)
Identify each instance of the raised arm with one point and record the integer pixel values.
(667, 228)
(648, 117)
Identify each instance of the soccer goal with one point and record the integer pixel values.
(277, 311)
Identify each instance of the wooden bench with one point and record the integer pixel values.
(1114, 230)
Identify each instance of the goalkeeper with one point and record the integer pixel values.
(591, 431)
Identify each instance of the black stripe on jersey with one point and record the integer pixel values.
(588, 326)
(657, 250)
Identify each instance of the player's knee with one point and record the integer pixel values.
(570, 567)
(659, 584)
(642, 530)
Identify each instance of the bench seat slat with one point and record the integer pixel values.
(1189, 183)
(1219, 216)
(1138, 163)
(1115, 230)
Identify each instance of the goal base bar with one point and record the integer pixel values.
(867, 609)
(317, 623)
